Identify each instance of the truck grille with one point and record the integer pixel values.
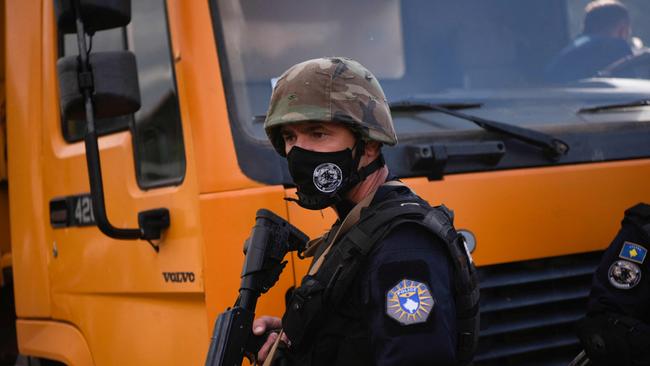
(529, 310)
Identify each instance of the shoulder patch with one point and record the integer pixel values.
(633, 252)
(624, 275)
(409, 302)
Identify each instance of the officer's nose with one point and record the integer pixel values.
(290, 145)
(300, 141)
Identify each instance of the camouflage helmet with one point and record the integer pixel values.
(332, 89)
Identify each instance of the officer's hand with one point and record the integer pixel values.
(263, 324)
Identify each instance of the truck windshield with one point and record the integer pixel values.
(533, 64)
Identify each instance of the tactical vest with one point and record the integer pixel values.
(306, 312)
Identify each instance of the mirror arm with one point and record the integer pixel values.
(151, 222)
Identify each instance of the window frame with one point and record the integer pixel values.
(130, 121)
(258, 160)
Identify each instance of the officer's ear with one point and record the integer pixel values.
(372, 149)
(623, 30)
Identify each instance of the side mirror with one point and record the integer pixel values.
(114, 83)
(101, 85)
(96, 15)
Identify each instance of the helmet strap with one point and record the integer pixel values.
(371, 168)
(359, 175)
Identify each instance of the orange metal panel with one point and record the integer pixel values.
(103, 264)
(24, 84)
(3, 20)
(3, 95)
(540, 212)
(170, 342)
(5, 237)
(201, 88)
(228, 219)
(139, 329)
(53, 340)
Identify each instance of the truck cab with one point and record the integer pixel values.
(537, 172)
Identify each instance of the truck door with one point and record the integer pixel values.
(153, 290)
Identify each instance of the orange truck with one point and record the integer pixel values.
(538, 203)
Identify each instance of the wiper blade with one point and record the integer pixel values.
(552, 145)
(403, 107)
(416, 106)
(614, 106)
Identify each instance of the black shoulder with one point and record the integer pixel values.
(639, 217)
(640, 210)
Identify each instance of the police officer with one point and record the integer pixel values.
(390, 283)
(604, 40)
(616, 330)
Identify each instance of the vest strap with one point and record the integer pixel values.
(274, 349)
(351, 219)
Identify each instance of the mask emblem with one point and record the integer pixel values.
(327, 177)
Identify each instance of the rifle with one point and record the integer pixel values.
(271, 239)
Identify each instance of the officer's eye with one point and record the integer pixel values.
(288, 138)
(318, 134)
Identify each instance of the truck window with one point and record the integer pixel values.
(156, 127)
(491, 54)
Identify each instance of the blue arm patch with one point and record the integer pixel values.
(633, 252)
(409, 302)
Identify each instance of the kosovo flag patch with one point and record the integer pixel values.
(633, 252)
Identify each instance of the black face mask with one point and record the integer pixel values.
(323, 178)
